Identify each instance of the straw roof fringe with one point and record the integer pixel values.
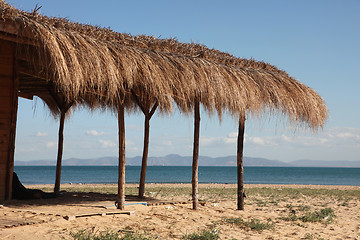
(101, 68)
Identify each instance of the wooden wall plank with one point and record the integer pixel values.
(4, 121)
(2, 168)
(4, 127)
(5, 100)
(4, 84)
(8, 111)
(2, 164)
(4, 124)
(4, 133)
(2, 179)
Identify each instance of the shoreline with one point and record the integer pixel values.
(201, 185)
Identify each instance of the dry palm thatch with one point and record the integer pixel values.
(85, 61)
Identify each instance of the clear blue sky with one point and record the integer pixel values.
(317, 42)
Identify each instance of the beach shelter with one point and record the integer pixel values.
(101, 68)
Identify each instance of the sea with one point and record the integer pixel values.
(171, 174)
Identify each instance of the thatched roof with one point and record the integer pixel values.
(102, 67)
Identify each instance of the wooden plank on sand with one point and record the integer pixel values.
(73, 217)
(127, 204)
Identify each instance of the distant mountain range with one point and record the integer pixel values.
(177, 160)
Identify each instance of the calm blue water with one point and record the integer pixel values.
(170, 174)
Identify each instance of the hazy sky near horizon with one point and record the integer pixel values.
(317, 42)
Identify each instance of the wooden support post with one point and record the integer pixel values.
(148, 116)
(60, 147)
(195, 164)
(240, 166)
(60, 152)
(144, 157)
(121, 179)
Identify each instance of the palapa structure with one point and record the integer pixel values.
(67, 64)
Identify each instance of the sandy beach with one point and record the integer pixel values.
(271, 212)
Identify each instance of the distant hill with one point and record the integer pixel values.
(314, 163)
(177, 160)
(168, 160)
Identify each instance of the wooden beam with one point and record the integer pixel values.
(146, 144)
(60, 152)
(63, 106)
(13, 32)
(32, 82)
(26, 95)
(26, 69)
(240, 165)
(121, 179)
(56, 98)
(195, 164)
(16, 39)
(73, 217)
(144, 156)
(148, 114)
(60, 148)
(153, 109)
(145, 150)
(139, 102)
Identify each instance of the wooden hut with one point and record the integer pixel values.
(67, 63)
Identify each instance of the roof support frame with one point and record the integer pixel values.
(148, 114)
(195, 164)
(240, 165)
(121, 177)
